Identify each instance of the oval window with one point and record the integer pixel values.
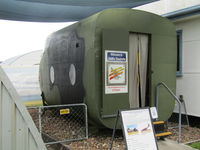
(72, 74)
(52, 78)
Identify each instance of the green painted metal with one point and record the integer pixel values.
(110, 29)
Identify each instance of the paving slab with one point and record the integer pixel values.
(172, 145)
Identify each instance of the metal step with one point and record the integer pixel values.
(159, 126)
(160, 129)
(163, 134)
(158, 122)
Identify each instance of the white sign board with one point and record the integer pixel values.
(154, 113)
(116, 72)
(138, 130)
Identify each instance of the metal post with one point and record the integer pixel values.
(86, 121)
(113, 134)
(40, 122)
(186, 115)
(188, 123)
(156, 101)
(179, 124)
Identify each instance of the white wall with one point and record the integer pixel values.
(189, 84)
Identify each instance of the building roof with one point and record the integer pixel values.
(173, 9)
(59, 10)
(182, 13)
(23, 71)
(28, 59)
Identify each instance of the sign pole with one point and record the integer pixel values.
(114, 129)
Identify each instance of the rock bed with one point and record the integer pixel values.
(189, 134)
(102, 139)
(58, 127)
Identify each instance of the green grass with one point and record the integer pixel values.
(195, 145)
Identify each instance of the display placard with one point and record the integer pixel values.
(116, 72)
(154, 113)
(138, 130)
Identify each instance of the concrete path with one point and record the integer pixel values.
(172, 145)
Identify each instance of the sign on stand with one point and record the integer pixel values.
(138, 130)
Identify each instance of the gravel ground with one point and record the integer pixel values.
(189, 134)
(101, 139)
(58, 127)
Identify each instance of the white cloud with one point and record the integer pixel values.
(17, 37)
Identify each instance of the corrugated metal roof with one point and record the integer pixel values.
(182, 13)
(23, 71)
(28, 59)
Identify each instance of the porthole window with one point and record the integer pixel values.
(77, 45)
(72, 74)
(52, 75)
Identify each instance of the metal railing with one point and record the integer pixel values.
(178, 101)
(61, 123)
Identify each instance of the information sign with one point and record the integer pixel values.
(116, 72)
(138, 129)
(154, 113)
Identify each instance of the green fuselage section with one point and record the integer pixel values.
(77, 56)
